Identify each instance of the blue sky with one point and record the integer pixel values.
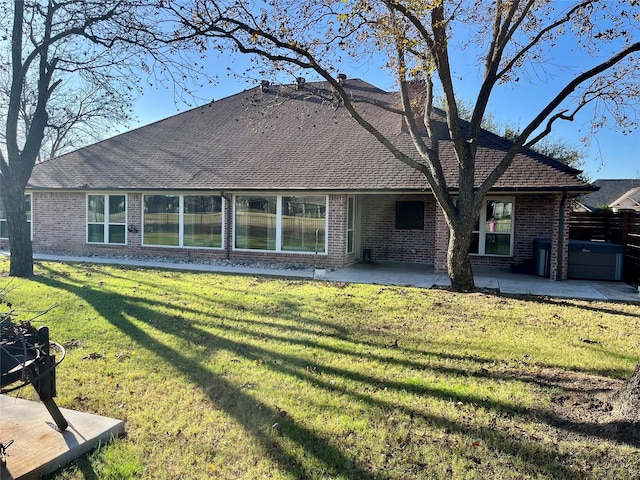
(610, 154)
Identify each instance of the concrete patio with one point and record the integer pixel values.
(496, 279)
(404, 274)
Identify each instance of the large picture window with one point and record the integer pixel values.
(4, 232)
(281, 223)
(183, 221)
(202, 221)
(107, 219)
(303, 222)
(255, 222)
(493, 231)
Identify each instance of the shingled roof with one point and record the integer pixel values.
(281, 138)
(609, 191)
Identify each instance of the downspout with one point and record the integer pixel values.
(561, 221)
(229, 200)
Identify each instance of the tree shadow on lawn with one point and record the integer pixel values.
(584, 304)
(227, 397)
(242, 407)
(363, 349)
(579, 385)
(288, 310)
(299, 323)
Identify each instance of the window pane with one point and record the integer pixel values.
(116, 234)
(498, 228)
(498, 217)
(303, 223)
(202, 221)
(117, 209)
(255, 223)
(96, 232)
(350, 222)
(161, 219)
(497, 244)
(27, 205)
(95, 208)
(475, 243)
(3, 213)
(3, 229)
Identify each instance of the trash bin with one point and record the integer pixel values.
(542, 256)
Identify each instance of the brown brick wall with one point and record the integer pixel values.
(337, 240)
(534, 218)
(558, 270)
(134, 219)
(388, 244)
(60, 226)
(441, 242)
(59, 221)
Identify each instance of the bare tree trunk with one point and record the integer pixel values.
(458, 261)
(18, 228)
(626, 401)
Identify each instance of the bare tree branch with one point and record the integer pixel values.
(547, 111)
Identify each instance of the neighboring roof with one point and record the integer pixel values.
(281, 139)
(629, 201)
(610, 191)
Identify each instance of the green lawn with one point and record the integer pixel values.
(224, 376)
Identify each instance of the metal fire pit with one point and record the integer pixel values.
(26, 358)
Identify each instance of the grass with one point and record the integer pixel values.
(224, 376)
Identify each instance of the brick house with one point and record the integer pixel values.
(285, 174)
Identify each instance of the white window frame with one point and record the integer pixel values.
(30, 220)
(278, 247)
(482, 232)
(351, 215)
(181, 196)
(106, 221)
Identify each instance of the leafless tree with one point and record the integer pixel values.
(77, 116)
(68, 65)
(509, 43)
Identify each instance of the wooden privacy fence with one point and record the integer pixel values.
(621, 228)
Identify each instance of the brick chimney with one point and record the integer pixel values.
(418, 96)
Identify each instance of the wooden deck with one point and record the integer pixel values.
(38, 447)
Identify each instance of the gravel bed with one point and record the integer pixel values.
(246, 263)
